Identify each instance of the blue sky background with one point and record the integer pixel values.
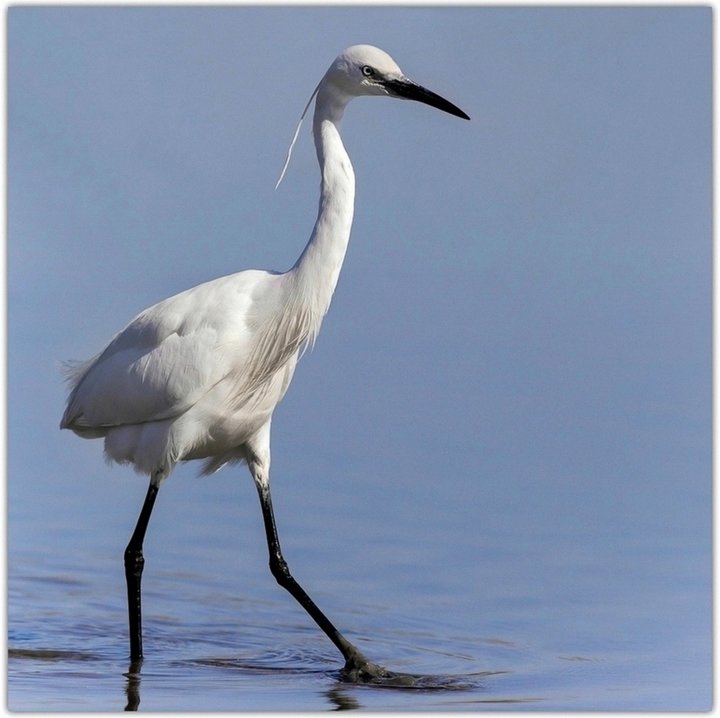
(524, 315)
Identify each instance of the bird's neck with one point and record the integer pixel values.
(316, 272)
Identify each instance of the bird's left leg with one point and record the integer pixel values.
(134, 563)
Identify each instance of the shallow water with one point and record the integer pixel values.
(508, 611)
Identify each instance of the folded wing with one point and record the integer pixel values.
(171, 355)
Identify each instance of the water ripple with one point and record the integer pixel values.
(48, 654)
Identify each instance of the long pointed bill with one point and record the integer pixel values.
(409, 90)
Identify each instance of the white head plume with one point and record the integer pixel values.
(295, 136)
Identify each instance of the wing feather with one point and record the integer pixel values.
(170, 355)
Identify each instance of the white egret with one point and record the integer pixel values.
(198, 375)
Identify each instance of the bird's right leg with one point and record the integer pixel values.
(134, 563)
(357, 668)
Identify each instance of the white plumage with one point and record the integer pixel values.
(198, 375)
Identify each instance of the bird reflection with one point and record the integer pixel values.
(132, 686)
(341, 700)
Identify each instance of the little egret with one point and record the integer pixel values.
(198, 375)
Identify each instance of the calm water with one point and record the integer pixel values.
(523, 602)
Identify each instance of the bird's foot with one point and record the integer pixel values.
(359, 669)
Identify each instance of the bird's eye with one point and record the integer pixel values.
(368, 71)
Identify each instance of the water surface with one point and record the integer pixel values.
(512, 610)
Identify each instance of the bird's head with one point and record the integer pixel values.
(367, 70)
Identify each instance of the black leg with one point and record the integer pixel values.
(357, 667)
(134, 563)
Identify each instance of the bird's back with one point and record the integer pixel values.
(189, 376)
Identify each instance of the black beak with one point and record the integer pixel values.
(408, 90)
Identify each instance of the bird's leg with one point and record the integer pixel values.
(134, 563)
(357, 667)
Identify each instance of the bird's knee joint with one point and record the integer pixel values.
(279, 569)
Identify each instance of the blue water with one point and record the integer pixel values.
(540, 598)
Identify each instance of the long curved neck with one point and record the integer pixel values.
(316, 271)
